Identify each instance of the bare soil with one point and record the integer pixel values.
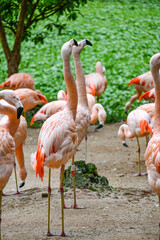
(129, 212)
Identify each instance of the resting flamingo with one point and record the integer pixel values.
(149, 95)
(58, 139)
(96, 83)
(30, 98)
(18, 80)
(138, 125)
(61, 95)
(142, 83)
(152, 154)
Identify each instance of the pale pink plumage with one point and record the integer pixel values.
(152, 154)
(8, 127)
(18, 80)
(149, 108)
(142, 83)
(98, 113)
(58, 138)
(61, 95)
(30, 98)
(96, 83)
(139, 124)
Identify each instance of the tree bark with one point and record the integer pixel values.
(13, 57)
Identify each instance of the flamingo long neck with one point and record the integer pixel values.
(9, 122)
(72, 98)
(156, 76)
(81, 87)
(126, 131)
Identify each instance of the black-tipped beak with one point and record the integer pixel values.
(75, 42)
(125, 145)
(88, 43)
(99, 126)
(22, 184)
(19, 112)
(126, 112)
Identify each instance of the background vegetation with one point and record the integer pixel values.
(124, 33)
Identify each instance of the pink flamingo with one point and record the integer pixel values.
(18, 80)
(138, 125)
(149, 108)
(98, 113)
(149, 95)
(96, 83)
(8, 127)
(30, 98)
(142, 83)
(19, 138)
(61, 95)
(152, 154)
(58, 139)
(83, 113)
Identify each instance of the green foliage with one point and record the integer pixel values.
(125, 34)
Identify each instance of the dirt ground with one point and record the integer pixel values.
(129, 212)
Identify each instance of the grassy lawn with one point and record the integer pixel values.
(125, 34)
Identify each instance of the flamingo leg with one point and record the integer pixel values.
(139, 150)
(0, 210)
(62, 200)
(86, 148)
(49, 204)
(147, 140)
(15, 173)
(73, 168)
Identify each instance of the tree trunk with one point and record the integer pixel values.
(13, 62)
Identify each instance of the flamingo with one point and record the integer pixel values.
(19, 138)
(150, 95)
(83, 113)
(30, 98)
(138, 125)
(58, 139)
(152, 153)
(98, 113)
(96, 83)
(142, 83)
(18, 80)
(149, 108)
(61, 95)
(8, 127)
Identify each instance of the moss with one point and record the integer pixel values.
(86, 176)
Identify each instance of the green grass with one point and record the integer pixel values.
(125, 34)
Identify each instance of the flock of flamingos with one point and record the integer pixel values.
(66, 121)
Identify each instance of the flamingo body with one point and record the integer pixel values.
(18, 80)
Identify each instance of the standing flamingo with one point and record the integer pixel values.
(142, 83)
(18, 80)
(58, 137)
(96, 83)
(152, 154)
(30, 98)
(138, 125)
(149, 108)
(83, 114)
(19, 138)
(8, 127)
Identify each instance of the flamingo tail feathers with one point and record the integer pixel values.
(39, 161)
(145, 127)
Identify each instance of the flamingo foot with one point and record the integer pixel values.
(144, 174)
(17, 193)
(137, 175)
(49, 234)
(66, 207)
(78, 207)
(65, 235)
